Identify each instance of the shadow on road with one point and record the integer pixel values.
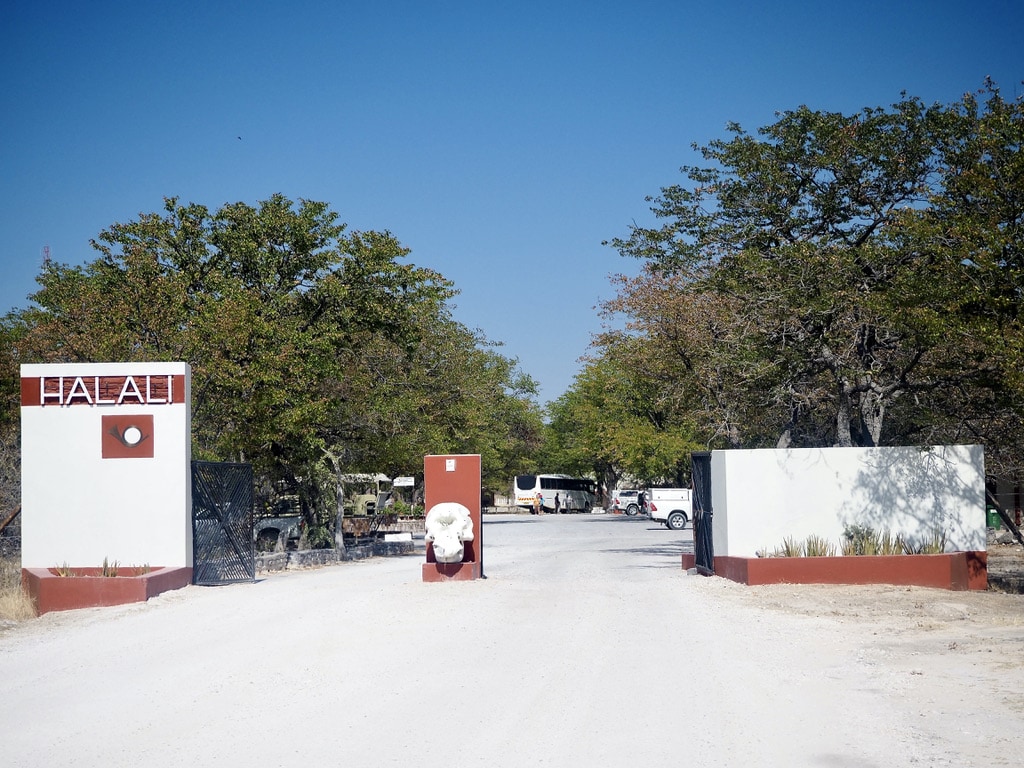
(681, 548)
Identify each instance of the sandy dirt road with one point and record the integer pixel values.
(585, 645)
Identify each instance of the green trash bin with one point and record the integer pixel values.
(993, 520)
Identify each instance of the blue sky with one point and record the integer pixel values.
(501, 142)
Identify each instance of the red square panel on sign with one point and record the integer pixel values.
(128, 437)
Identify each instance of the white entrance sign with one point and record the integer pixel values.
(106, 471)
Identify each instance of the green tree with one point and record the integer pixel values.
(847, 323)
(615, 421)
(11, 333)
(975, 221)
(450, 393)
(289, 323)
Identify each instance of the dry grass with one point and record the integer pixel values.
(15, 605)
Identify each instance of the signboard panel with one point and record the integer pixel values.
(83, 500)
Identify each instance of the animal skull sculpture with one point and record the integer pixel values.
(447, 526)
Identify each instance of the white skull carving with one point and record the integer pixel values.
(448, 524)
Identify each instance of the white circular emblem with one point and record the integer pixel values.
(132, 435)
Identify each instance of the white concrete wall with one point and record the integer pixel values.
(78, 507)
(761, 497)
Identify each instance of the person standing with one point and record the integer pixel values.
(538, 500)
(558, 504)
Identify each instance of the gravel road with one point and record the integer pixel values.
(586, 645)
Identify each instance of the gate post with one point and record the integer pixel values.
(451, 482)
(105, 475)
(703, 514)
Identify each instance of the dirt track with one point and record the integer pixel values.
(586, 645)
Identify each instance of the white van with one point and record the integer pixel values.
(671, 506)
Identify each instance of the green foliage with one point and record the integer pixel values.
(933, 545)
(790, 548)
(402, 509)
(12, 330)
(313, 350)
(818, 546)
(890, 544)
(860, 540)
(864, 540)
(612, 423)
(841, 280)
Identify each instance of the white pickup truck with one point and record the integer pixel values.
(671, 506)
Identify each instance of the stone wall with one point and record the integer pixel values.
(316, 558)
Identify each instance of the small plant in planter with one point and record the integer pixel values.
(108, 570)
(818, 546)
(859, 541)
(790, 548)
(936, 545)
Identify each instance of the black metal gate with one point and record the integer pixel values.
(223, 550)
(703, 542)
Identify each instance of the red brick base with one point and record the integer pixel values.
(50, 592)
(452, 571)
(958, 571)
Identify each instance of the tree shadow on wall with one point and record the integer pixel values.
(921, 492)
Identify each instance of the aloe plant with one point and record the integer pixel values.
(790, 548)
(818, 546)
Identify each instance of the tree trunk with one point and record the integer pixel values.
(610, 479)
(843, 437)
(872, 412)
(339, 520)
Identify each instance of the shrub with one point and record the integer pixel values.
(790, 548)
(935, 545)
(818, 546)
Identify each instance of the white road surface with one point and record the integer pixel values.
(586, 645)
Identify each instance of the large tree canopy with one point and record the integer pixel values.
(842, 279)
(313, 349)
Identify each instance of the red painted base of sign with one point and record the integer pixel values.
(958, 571)
(50, 592)
(452, 571)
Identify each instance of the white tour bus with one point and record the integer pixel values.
(575, 494)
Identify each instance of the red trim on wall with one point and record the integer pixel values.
(958, 571)
(30, 391)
